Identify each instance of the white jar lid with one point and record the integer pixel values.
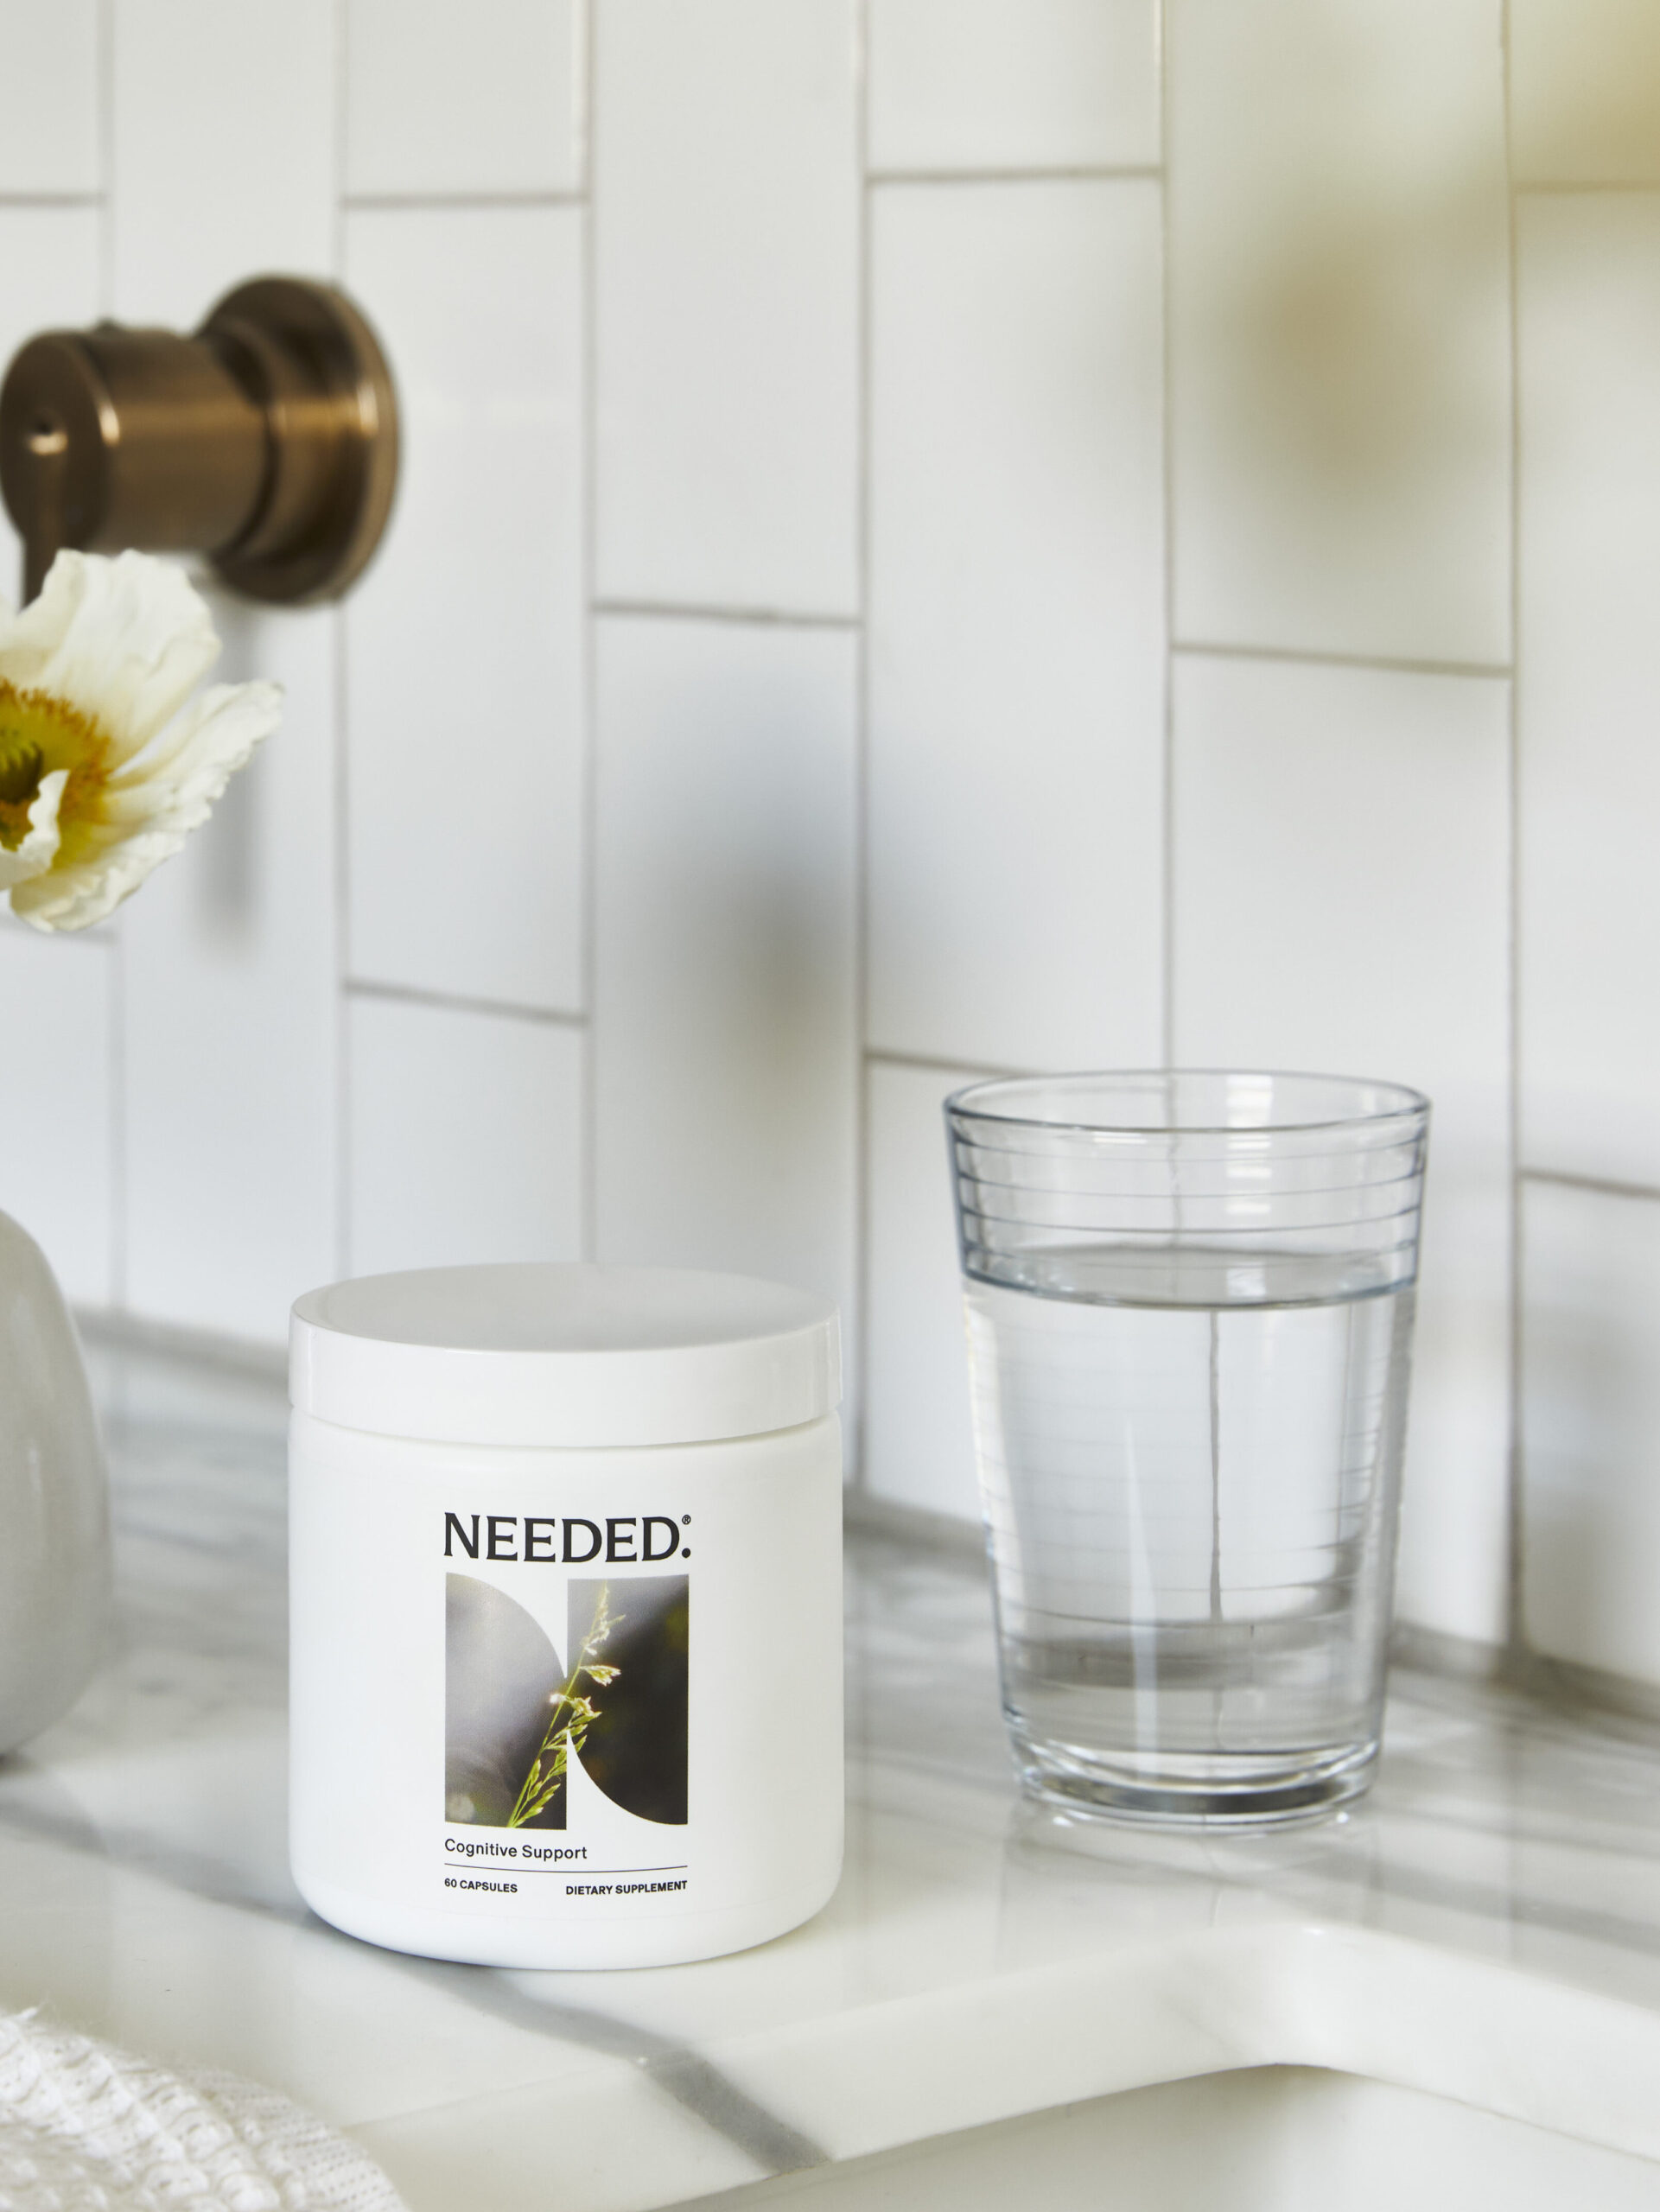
(564, 1355)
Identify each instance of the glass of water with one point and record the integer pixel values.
(1189, 1298)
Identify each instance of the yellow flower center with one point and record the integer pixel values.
(39, 734)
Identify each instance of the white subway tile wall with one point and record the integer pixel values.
(725, 1019)
(936, 536)
(223, 129)
(1591, 1370)
(51, 260)
(486, 99)
(726, 216)
(230, 1068)
(1016, 631)
(58, 1104)
(51, 142)
(224, 137)
(465, 1142)
(1341, 857)
(1583, 74)
(1340, 344)
(58, 1117)
(919, 1447)
(972, 85)
(1588, 761)
(465, 673)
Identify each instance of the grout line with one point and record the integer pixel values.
(1573, 191)
(120, 1240)
(341, 885)
(25, 200)
(1514, 1624)
(685, 611)
(861, 1239)
(1167, 464)
(342, 893)
(428, 203)
(1296, 657)
(977, 1070)
(358, 987)
(1061, 173)
(340, 145)
(583, 36)
(106, 154)
(589, 1133)
(1606, 1186)
(342, 129)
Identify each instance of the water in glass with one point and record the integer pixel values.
(1189, 1459)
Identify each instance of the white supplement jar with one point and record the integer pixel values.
(566, 1612)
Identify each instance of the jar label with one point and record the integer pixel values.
(567, 1721)
(572, 1688)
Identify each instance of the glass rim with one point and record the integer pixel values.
(1409, 1105)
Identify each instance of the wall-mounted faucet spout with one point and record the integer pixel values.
(268, 441)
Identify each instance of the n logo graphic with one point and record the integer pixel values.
(516, 1715)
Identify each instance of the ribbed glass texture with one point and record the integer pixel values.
(1189, 1298)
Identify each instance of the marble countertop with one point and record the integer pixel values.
(1486, 1927)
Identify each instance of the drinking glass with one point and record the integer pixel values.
(1189, 1298)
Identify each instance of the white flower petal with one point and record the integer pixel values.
(29, 639)
(74, 897)
(153, 803)
(38, 848)
(189, 764)
(125, 641)
(214, 737)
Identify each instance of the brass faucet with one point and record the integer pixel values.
(267, 441)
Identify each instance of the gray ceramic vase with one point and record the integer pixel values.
(55, 1509)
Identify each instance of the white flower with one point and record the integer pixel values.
(104, 770)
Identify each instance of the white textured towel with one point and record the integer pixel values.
(85, 2127)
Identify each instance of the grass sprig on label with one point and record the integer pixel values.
(570, 1718)
(107, 763)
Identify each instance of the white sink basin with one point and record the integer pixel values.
(1266, 2139)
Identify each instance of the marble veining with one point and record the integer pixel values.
(1487, 1926)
